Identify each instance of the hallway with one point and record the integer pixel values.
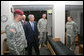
(56, 15)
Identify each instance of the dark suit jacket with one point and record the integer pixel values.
(31, 36)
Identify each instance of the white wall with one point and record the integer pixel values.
(58, 13)
(5, 10)
(59, 20)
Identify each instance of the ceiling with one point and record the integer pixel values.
(32, 7)
(74, 7)
(45, 7)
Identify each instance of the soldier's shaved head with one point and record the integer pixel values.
(69, 18)
(44, 16)
(23, 17)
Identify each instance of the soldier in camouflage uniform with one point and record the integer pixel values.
(23, 20)
(42, 27)
(15, 35)
(71, 33)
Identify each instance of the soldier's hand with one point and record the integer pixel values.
(13, 30)
(18, 54)
(38, 37)
(39, 30)
(46, 30)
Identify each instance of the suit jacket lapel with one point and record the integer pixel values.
(31, 26)
(34, 26)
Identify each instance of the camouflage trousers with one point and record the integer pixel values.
(23, 52)
(42, 37)
(70, 42)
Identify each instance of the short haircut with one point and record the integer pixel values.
(44, 13)
(70, 17)
(30, 16)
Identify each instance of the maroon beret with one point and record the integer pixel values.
(20, 12)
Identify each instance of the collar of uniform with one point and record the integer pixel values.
(43, 19)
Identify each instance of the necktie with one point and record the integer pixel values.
(32, 26)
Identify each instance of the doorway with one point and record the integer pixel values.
(37, 14)
(76, 11)
(38, 10)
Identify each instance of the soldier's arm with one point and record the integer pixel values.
(75, 28)
(38, 25)
(47, 27)
(65, 27)
(11, 38)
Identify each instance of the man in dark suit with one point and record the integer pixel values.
(31, 33)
